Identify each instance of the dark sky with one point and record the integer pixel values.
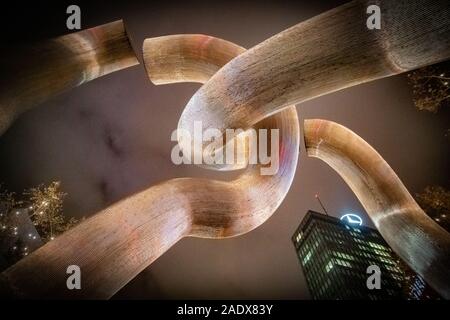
(111, 138)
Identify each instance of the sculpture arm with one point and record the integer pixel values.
(412, 234)
(329, 52)
(33, 74)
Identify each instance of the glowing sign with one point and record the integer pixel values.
(352, 218)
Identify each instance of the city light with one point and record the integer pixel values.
(352, 218)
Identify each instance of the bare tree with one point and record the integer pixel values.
(435, 201)
(431, 86)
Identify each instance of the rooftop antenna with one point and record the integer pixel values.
(321, 204)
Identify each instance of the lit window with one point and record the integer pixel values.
(347, 256)
(307, 257)
(329, 266)
(343, 263)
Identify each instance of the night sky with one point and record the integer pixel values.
(110, 138)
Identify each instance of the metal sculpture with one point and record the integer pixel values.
(113, 246)
(257, 88)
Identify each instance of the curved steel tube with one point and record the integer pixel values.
(33, 74)
(329, 52)
(413, 235)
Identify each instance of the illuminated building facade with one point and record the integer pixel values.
(335, 255)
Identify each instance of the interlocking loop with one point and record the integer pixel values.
(119, 242)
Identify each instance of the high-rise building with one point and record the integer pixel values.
(335, 256)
